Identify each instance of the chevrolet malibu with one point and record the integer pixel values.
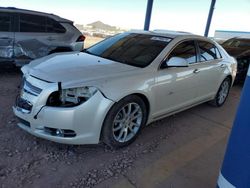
(111, 90)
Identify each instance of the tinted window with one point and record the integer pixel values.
(5, 22)
(237, 43)
(32, 23)
(130, 48)
(207, 51)
(227, 43)
(54, 27)
(185, 50)
(244, 43)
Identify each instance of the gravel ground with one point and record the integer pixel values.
(27, 161)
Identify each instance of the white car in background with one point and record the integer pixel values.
(26, 35)
(111, 90)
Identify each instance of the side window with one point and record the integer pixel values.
(185, 50)
(54, 27)
(207, 51)
(5, 22)
(218, 54)
(32, 23)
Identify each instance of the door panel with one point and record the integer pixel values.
(175, 88)
(36, 37)
(208, 77)
(210, 70)
(31, 39)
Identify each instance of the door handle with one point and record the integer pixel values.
(196, 71)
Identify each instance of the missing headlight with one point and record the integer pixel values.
(54, 99)
(71, 97)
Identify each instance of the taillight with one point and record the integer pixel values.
(81, 38)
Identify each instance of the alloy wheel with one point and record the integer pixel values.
(127, 122)
(223, 92)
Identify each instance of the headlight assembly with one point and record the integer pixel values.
(71, 97)
(77, 95)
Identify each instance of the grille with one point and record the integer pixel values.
(31, 89)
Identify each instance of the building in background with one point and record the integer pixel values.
(224, 34)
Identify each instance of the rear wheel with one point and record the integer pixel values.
(222, 93)
(124, 121)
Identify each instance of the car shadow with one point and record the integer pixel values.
(7, 68)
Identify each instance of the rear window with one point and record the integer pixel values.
(54, 27)
(5, 22)
(130, 48)
(237, 43)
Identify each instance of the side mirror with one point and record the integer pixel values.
(177, 62)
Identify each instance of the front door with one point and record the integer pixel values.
(176, 87)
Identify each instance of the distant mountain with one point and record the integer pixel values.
(103, 26)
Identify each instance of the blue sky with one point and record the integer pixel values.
(185, 15)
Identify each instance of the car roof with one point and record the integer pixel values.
(18, 10)
(170, 34)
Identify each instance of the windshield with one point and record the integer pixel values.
(130, 48)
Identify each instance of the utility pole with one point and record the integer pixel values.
(209, 18)
(148, 14)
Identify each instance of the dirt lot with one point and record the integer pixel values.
(184, 150)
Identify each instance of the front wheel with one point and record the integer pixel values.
(222, 93)
(124, 121)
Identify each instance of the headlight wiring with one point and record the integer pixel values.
(71, 97)
(77, 95)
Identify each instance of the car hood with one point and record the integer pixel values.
(73, 67)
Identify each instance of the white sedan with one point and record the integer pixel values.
(109, 91)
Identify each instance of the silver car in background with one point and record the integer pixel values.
(109, 91)
(26, 35)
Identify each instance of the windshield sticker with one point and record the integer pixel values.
(163, 39)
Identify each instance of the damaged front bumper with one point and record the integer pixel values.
(70, 125)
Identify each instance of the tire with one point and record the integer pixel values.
(124, 122)
(222, 93)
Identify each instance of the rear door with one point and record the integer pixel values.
(31, 39)
(6, 36)
(209, 70)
